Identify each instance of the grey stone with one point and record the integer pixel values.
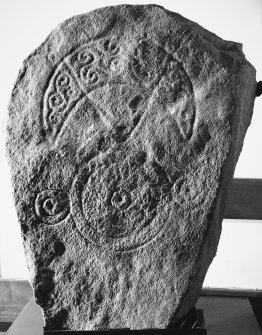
(125, 126)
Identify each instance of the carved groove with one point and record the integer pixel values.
(88, 68)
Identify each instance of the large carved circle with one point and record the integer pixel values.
(118, 204)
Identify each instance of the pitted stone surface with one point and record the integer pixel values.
(125, 126)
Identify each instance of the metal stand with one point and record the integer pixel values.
(191, 324)
(259, 89)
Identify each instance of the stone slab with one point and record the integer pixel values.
(124, 129)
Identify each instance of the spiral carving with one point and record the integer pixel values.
(52, 206)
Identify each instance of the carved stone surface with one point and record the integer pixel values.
(125, 126)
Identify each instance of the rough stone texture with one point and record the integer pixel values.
(125, 127)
